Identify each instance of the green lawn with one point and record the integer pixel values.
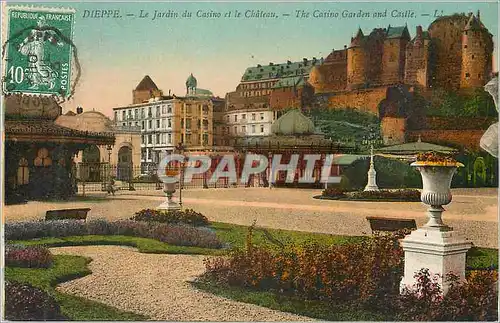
(75, 308)
(316, 309)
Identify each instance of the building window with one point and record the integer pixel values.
(42, 158)
(479, 76)
(169, 109)
(142, 113)
(143, 125)
(243, 116)
(163, 109)
(253, 128)
(116, 116)
(157, 138)
(472, 56)
(262, 116)
(253, 116)
(465, 46)
(467, 75)
(169, 122)
(244, 129)
(235, 130)
(235, 118)
(157, 124)
(136, 114)
(150, 125)
(143, 139)
(150, 139)
(169, 138)
(188, 138)
(227, 117)
(123, 115)
(188, 123)
(261, 128)
(150, 114)
(23, 173)
(124, 124)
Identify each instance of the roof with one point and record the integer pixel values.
(146, 84)
(415, 148)
(89, 120)
(48, 131)
(292, 123)
(397, 32)
(346, 160)
(474, 23)
(290, 81)
(191, 81)
(263, 72)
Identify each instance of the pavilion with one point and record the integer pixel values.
(38, 152)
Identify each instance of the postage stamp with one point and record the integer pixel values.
(39, 51)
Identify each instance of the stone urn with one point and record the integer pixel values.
(436, 180)
(435, 246)
(169, 190)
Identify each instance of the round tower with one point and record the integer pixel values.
(356, 62)
(191, 84)
(477, 51)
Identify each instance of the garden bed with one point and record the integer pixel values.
(402, 195)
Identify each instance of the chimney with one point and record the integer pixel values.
(288, 62)
(345, 46)
(168, 92)
(478, 15)
(419, 31)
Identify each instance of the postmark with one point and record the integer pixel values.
(39, 52)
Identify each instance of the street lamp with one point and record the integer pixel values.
(180, 149)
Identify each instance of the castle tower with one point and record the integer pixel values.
(356, 62)
(417, 59)
(477, 50)
(394, 54)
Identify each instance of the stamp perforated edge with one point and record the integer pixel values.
(5, 26)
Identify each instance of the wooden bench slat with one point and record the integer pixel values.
(67, 214)
(390, 224)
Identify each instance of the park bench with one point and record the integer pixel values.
(390, 224)
(67, 214)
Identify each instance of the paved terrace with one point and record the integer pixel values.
(473, 212)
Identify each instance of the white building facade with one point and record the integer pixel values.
(249, 123)
(156, 120)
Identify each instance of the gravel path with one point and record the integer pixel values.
(473, 212)
(157, 286)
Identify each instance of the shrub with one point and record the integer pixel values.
(41, 229)
(367, 271)
(333, 192)
(28, 257)
(187, 216)
(476, 299)
(407, 195)
(176, 234)
(24, 302)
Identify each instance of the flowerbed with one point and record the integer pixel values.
(187, 216)
(333, 192)
(176, 234)
(24, 302)
(27, 257)
(364, 275)
(406, 195)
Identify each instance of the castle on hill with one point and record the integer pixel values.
(454, 53)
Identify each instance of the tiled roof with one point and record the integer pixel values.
(146, 84)
(397, 32)
(287, 69)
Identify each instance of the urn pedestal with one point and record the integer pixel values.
(435, 246)
(169, 204)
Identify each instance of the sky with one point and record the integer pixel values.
(116, 53)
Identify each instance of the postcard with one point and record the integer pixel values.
(250, 161)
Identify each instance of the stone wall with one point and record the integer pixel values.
(364, 100)
(468, 139)
(393, 130)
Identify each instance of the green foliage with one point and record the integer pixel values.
(187, 216)
(476, 104)
(27, 257)
(391, 173)
(346, 125)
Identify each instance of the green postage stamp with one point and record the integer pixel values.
(39, 51)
